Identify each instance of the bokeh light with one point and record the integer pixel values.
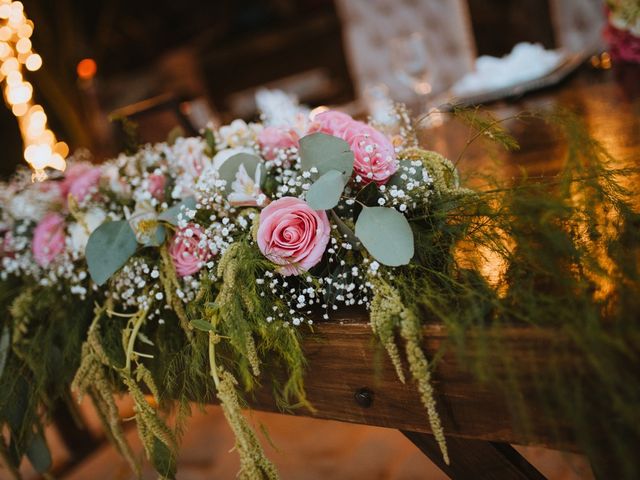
(41, 148)
(87, 68)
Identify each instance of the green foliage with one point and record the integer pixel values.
(386, 235)
(325, 192)
(558, 253)
(170, 215)
(326, 152)
(108, 249)
(46, 330)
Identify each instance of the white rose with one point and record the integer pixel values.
(79, 232)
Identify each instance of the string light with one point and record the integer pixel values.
(41, 149)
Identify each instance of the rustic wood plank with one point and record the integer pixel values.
(476, 459)
(343, 358)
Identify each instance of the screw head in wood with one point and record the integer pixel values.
(364, 397)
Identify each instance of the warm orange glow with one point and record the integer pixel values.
(41, 148)
(87, 68)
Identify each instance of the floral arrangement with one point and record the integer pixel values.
(188, 269)
(623, 30)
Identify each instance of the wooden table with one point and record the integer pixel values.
(350, 379)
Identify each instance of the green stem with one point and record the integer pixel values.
(212, 359)
(132, 338)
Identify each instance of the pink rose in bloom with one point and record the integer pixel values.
(80, 179)
(48, 239)
(374, 155)
(189, 250)
(156, 186)
(273, 139)
(330, 122)
(293, 235)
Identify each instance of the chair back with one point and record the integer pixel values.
(370, 26)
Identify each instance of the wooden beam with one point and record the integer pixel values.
(476, 459)
(343, 358)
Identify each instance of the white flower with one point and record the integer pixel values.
(34, 201)
(116, 184)
(238, 134)
(246, 190)
(143, 217)
(189, 156)
(80, 231)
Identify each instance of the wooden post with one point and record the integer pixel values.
(476, 459)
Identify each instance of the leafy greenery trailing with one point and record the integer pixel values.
(558, 253)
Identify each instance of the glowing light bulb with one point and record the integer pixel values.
(20, 109)
(23, 45)
(20, 93)
(9, 65)
(14, 78)
(41, 148)
(34, 62)
(5, 33)
(25, 30)
(87, 68)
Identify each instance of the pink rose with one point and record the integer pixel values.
(330, 122)
(293, 235)
(623, 45)
(374, 155)
(274, 139)
(80, 179)
(156, 186)
(48, 239)
(189, 250)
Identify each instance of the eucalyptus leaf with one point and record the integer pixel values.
(38, 453)
(386, 234)
(202, 325)
(108, 249)
(325, 192)
(326, 152)
(170, 215)
(5, 340)
(230, 167)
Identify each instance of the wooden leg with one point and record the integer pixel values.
(476, 459)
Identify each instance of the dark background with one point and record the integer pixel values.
(211, 49)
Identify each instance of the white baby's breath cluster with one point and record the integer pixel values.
(180, 186)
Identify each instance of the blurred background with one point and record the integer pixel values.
(164, 63)
(158, 64)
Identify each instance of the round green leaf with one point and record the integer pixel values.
(326, 152)
(231, 166)
(325, 192)
(109, 247)
(386, 234)
(170, 215)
